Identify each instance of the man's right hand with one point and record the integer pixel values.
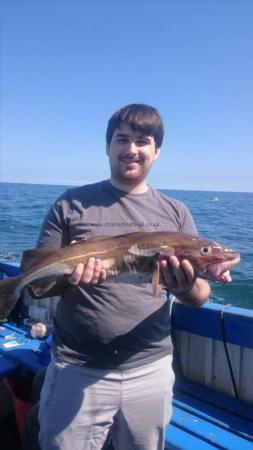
(90, 273)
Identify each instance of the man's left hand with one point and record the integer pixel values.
(179, 277)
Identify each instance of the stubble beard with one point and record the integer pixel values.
(128, 180)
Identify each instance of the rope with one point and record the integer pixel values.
(223, 332)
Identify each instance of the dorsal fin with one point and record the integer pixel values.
(31, 257)
(131, 234)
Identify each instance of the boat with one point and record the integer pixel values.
(213, 363)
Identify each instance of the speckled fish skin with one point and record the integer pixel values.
(133, 252)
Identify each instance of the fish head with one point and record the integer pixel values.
(210, 259)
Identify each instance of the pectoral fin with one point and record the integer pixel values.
(136, 250)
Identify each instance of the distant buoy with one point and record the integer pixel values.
(215, 199)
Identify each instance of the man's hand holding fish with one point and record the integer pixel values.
(90, 273)
(183, 282)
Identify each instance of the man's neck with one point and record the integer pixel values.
(131, 188)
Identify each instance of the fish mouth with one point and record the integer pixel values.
(217, 271)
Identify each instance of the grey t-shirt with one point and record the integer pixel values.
(119, 323)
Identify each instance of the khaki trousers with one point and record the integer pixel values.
(79, 406)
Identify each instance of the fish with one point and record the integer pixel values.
(45, 268)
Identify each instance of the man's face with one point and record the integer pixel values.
(131, 155)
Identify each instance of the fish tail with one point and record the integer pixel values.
(8, 295)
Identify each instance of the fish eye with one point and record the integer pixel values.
(205, 251)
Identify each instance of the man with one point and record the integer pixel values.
(112, 351)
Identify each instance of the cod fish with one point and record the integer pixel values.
(45, 268)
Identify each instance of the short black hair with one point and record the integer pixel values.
(139, 117)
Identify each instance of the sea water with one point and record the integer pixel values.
(226, 217)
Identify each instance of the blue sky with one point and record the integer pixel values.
(66, 66)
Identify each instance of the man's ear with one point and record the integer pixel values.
(157, 153)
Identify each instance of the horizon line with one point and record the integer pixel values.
(158, 188)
